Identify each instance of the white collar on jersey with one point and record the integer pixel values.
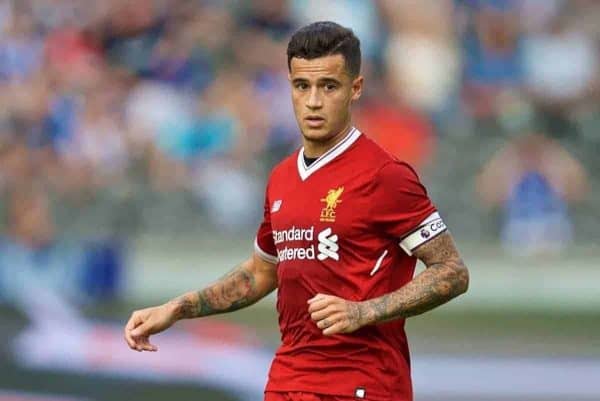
(305, 171)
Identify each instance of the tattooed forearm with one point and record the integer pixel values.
(236, 290)
(446, 277)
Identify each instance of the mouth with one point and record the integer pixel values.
(314, 121)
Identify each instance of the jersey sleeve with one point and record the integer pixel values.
(264, 244)
(402, 209)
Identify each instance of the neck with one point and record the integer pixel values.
(314, 149)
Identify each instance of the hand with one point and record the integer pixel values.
(145, 322)
(335, 315)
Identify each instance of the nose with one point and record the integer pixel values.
(314, 99)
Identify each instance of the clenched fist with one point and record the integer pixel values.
(335, 315)
(146, 322)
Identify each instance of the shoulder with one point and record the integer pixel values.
(398, 179)
(372, 152)
(390, 175)
(384, 165)
(397, 170)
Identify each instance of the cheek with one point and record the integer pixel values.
(298, 98)
(296, 102)
(339, 105)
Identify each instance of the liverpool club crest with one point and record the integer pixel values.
(331, 201)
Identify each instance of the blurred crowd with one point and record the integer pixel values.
(117, 104)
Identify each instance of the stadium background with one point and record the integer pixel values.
(136, 137)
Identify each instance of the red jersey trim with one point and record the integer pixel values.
(306, 171)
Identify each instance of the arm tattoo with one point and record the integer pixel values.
(235, 290)
(356, 312)
(446, 277)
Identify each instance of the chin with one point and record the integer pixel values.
(316, 134)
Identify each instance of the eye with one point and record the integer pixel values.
(301, 85)
(330, 87)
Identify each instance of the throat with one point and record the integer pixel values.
(309, 160)
(316, 148)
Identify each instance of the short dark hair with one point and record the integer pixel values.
(325, 38)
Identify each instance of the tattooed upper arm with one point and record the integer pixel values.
(266, 268)
(441, 252)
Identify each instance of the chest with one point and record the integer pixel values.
(337, 202)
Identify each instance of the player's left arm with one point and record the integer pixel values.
(445, 278)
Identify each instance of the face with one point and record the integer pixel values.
(322, 95)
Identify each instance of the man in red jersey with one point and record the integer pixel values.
(344, 223)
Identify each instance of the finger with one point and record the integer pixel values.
(141, 339)
(336, 328)
(320, 304)
(317, 297)
(128, 336)
(130, 340)
(134, 321)
(323, 313)
(142, 330)
(323, 324)
(139, 344)
(329, 321)
(147, 346)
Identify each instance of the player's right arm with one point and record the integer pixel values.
(241, 287)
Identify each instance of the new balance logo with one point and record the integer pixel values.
(328, 247)
(276, 206)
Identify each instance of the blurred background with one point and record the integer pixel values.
(136, 137)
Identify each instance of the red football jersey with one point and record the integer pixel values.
(344, 226)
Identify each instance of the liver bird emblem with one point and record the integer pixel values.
(331, 201)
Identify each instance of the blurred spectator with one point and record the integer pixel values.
(421, 54)
(98, 143)
(29, 218)
(533, 179)
(72, 55)
(562, 71)
(397, 126)
(273, 90)
(492, 56)
(537, 14)
(585, 14)
(129, 32)
(361, 15)
(20, 48)
(270, 16)
(150, 109)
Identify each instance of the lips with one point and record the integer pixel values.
(314, 121)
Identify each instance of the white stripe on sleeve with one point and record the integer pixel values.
(264, 255)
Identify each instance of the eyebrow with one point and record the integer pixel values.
(320, 80)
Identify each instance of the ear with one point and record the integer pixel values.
(357, 85)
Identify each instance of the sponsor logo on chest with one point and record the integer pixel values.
(326, 245)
